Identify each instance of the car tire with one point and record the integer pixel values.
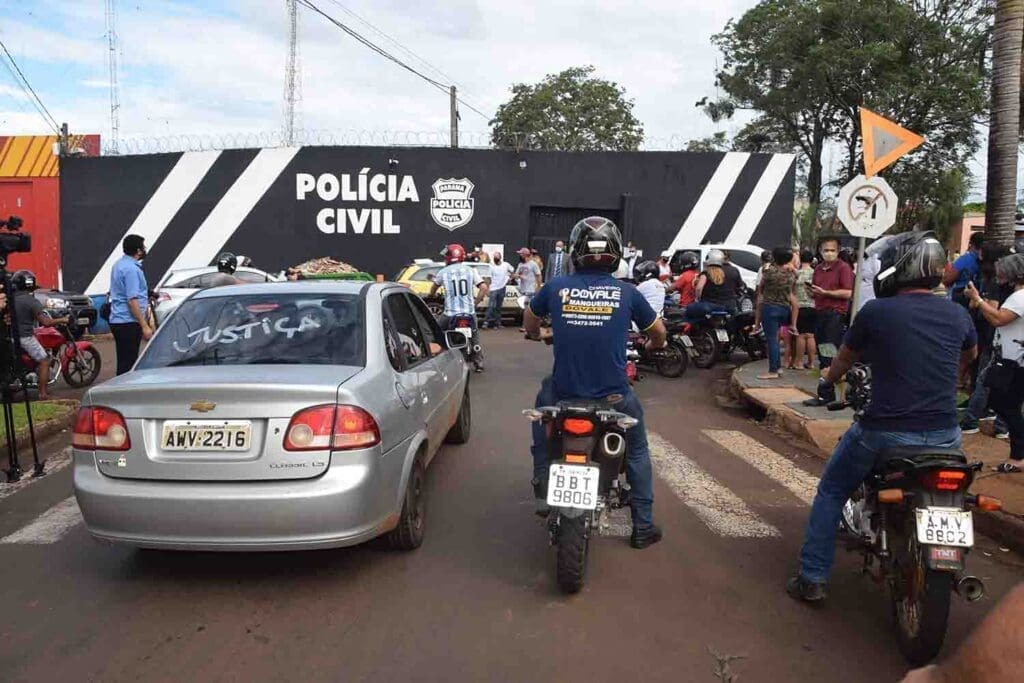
(408, 535)
(459, 433)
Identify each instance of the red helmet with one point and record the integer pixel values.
(454, 253)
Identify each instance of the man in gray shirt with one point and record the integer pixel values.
(28, 311)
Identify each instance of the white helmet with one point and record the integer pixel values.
(715, 257)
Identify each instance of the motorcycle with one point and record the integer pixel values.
(473, 352)
(670, 361)
(78, 362)
(586, 439)
(754, 344)
(709, 332)
(911, 520)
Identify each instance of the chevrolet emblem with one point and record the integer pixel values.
(202, 406)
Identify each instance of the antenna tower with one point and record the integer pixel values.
(115, 100)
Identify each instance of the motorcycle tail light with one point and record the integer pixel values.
(331, 427)
(462, 323)
(100, 429)
(946, 480)
(890, 496)
(577, 426)
(989, 504)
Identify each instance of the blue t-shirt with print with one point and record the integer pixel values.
(969, 268)
(591, 313)
(913, 344)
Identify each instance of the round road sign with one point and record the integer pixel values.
(867, 207)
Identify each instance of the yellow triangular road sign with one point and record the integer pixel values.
(884, 141)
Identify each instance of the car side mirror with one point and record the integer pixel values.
(455, 340)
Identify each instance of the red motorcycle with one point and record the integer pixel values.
(78, 362)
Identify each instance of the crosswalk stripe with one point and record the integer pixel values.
(50, 526)
(718, 507)
(800, 483)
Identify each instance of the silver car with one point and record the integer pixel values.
(274, 417)
(178, 285)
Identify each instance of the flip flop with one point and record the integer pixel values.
(1007, 468)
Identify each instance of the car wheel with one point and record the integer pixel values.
(459, 433)
(408, 535)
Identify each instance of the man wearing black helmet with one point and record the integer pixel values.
(591, 313)
(227, 264)
(916, 343)
(28, 311)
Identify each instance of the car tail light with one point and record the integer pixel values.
(331, 427)
(946, 480)
(100, 429)
(577, 426)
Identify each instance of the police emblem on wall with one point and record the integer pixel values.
(451, 206)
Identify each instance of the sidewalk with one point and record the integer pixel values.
(781, 400)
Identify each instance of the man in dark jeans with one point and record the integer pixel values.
(129, 299)
(832, 288)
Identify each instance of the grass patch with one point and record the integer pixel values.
(41, 412)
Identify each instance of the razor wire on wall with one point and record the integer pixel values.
(357, 138)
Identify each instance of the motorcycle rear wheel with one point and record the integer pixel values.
(707, 349)
(673, 360)
(573, 547)
(920, 605)
(83, 371)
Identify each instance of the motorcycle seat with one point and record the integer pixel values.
(890, 458)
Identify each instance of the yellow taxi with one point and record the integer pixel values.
(419, 277)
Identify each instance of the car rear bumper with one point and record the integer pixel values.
(355, 500)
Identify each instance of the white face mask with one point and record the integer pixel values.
(558, 249)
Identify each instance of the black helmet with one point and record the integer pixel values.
(25, 280)
(912, 259)
(595, 243)
(227, 263)
(689, 260)
(646, 271)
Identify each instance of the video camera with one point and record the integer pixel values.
(13, 241)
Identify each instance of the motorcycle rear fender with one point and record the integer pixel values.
(944, 558)
(80, 345)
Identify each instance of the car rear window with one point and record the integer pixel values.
(265, 329)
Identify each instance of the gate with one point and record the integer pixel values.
(548, 224)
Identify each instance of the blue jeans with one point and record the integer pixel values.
(638, 457)
(774, 316)
(977, 407)
(849, 466)
(495, 299)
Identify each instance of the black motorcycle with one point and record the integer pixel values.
(587, 444)
(670, 361)
(709, 333)
(911, 520)
(744, 335)
(473, 351)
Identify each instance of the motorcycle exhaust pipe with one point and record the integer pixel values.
(614, 444)
(476, 348)
(970, 588)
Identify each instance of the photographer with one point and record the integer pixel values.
(28, 311)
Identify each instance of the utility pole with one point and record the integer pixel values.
(290, 77)
(454, 118)
(115, 100)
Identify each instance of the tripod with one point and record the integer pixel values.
(11, 370)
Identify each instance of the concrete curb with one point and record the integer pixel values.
(48, 428)
(1003, 527)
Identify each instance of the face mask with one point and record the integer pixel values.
(558, 249)
(497, 261)
(830, 256)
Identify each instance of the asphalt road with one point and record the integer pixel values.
(478, 600)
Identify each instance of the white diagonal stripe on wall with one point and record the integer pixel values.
(801, 484)
(757, 204)
(703, 213)
(233, 208)
(50, 526)
(720, 509)
(156, 215)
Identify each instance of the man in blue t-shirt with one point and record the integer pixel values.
(965, 269)
(591, 313)
(915, 343)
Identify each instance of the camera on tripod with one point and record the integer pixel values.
(13, 241)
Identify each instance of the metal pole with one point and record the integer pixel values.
(454, 119)
(856, 279)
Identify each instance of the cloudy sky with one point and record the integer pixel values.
(217, 66)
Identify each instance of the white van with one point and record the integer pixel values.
(746, 258)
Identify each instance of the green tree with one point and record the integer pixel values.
(571, 110)
(1004, 130)
(806, 66)
(718, 142)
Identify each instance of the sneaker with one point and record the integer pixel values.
(1001, 434)
(989, 416)
(968, 426)
(648, 537)
(809, 591)
(540, 497)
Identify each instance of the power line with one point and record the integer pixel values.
(43, 111)
(387, 55)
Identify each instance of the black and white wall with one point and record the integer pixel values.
(377, 208)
